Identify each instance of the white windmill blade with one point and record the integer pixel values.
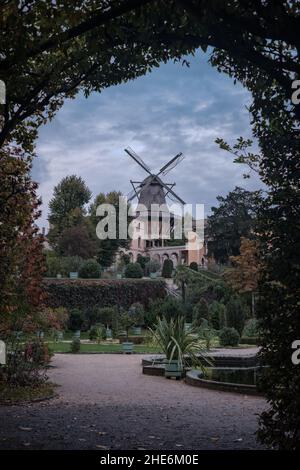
(138, 159)
(171, 164)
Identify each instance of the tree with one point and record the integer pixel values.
(66, 208)
(254, 42)
(236, 314)
(109, 247)
(243, 276)
(133, 270)
(200, 312)
(76, 241)
(22, 261)
(234, 218)
(90, 269)
(167, 268)
(194, 266)
(39, 77)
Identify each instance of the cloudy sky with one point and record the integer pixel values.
(173, 109)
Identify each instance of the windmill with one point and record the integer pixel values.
(152, 190)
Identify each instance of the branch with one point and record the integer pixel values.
(96, 20)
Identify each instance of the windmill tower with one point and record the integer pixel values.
(153, 190)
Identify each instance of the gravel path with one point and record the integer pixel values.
(105, 402)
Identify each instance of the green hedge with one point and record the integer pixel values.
(249, 340)
(83, 293)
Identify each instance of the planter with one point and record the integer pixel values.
(58, 276)
(173, 369)
(153, 275)
(119, 276)
(188, 326)
(40, 334)
(73, 275)
(77, 334)
(127, 347)
(136, 330)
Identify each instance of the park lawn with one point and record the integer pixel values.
(62, 347)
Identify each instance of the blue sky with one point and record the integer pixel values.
(173, 109)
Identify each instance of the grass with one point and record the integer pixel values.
(15, 395)
(61, 347)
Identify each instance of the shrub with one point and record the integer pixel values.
(62, 264)
(167, 268)
(76, 319)
(70, 264)
(229, 337)
(133, 270)
(194, 266)
(168, 308)
(107, 315)
(152, 266)
(75, 345)
(138, 310)
(37, 352)
(251, 328)
(90, 269)
(97, 332)
(81, 293)
(200, 312)
(235, 314)
(207, 333)
(142, 261)
(217, 313)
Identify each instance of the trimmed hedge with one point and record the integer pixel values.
(83, 293)
(249, 340)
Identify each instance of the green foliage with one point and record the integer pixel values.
(234, 218)
(200, 312)
(133, 270)
(76, 241)
(168, 308)
(152, 266)
(251, 328)
(137, 309)
(229, 337)
(66, 207)
(207, 333)
(90, 270)
(142, 260)
(109, 247)
(167, 268)
(177, 343)
(75, 345)
(236, 314)
(217, 315)
(107, 315)
(61, 265)
(76, 319)
(97, 332)
(194, 266)
(88, 294)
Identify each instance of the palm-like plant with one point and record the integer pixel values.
(178, 344)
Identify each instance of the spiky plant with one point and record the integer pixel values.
(179, 344)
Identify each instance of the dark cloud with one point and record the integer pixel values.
(170, 110)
